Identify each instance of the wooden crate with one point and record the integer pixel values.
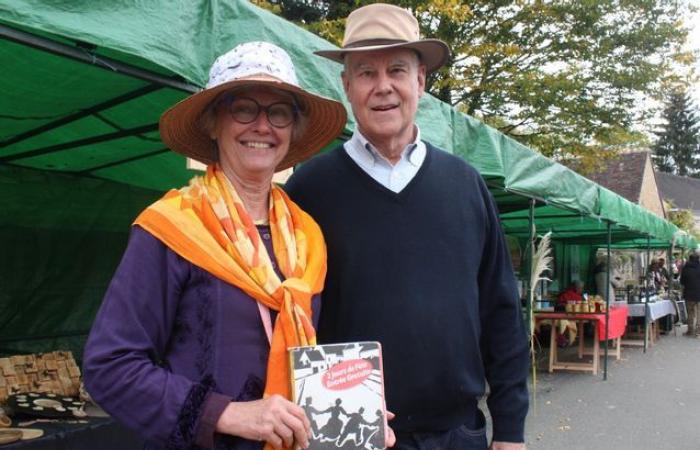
(54, 372)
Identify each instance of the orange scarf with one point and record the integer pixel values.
(207, 224)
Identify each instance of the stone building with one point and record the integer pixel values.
(632, 176)
(684, 192)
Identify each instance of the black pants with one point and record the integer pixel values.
(460, 438)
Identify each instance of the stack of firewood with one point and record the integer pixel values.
(54, 372)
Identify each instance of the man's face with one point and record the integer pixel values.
(383, 88)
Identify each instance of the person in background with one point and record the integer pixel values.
(573, 293)
(676, 266)
(416, 255)
(189, 347)
(663, 272)
(690, 280)
(600, 273)
(654, 278)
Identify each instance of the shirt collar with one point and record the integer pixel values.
(409, 153)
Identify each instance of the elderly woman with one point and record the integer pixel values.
(220, 277)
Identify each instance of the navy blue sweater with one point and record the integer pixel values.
(425, 272)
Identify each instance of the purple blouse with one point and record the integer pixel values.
(172, 345)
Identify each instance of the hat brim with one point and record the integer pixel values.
(434, 53)
(181, 130)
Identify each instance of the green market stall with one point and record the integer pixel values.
(83, 86)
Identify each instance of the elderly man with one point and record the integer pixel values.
(416, 256)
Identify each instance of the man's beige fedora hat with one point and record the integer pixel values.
(380, 26)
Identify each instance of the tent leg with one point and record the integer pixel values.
(607, 305)
(531, 250)
(646, 296)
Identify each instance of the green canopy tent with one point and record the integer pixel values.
(83, 87)
(616, 222)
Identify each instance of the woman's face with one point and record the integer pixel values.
(252, 149)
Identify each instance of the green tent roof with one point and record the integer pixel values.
(86, 83)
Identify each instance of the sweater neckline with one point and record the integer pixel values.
(377, 186)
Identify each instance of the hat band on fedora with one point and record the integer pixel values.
(373, 42)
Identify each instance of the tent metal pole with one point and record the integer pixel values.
(87, 55)
(531, 252)
(669, 269)
(81, 114)
(607, 305)
(565, 228)
(121, 161)
(646, 296)
(545, 216)
(81, 142)
(44, 336)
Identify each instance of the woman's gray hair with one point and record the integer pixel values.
(207, 120)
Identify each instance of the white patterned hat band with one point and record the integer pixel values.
(252, 58)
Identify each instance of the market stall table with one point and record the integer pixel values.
(653, 310)
(657, 309)
(617, 320)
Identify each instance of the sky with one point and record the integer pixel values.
(694, 42)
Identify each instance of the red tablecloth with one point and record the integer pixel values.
(617, 317)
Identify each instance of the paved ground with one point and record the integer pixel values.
(649, 401)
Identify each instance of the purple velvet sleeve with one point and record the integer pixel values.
(130, 333)
(211, 411)
(124, 362)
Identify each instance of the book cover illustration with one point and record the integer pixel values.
(341, 388)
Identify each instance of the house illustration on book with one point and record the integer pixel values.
(314, 360)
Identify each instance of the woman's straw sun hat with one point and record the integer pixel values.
(253, 64)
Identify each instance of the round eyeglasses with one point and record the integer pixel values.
(246, 110)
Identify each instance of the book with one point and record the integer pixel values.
(341, 388)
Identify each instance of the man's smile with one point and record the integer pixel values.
(382, 108)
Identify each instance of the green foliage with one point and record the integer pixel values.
(569, 78)
(267, 5)
(677, 150)
(682, 218)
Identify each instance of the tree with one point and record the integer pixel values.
(569, 78)
(677, 150)
(682, 218)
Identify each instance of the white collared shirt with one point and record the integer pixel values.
(392, 176)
